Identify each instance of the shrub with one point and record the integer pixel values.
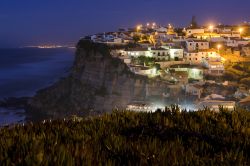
(170, 137)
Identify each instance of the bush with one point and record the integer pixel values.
(170, 137)
(245, 81)
(88, 46)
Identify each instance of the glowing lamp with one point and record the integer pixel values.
(241, 30)
(138, 28)
(211, 27)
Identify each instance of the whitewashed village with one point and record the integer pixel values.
(203, 66)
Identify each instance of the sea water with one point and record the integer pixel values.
(23, 71)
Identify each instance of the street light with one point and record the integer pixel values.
(211, 28)
(169, 26)
(138, 28)
(153, 25)
(241, 30)
(218, 47)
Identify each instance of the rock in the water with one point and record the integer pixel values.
(15, 103)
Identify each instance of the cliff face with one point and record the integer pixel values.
(97, 82)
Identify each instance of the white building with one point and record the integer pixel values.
(217, 39)
(214, 68)
(176, 54)
(161, 29)
(140, 107)
(194, 45)
(142, 70)
(245, 51)
(194, 72)
(110, 38)
(214, 105)
(194, 90)
(224, 30)
(162, 54)
(198, 57)
(236, 42)
(230, 34)
(190, 32)
(136, 52)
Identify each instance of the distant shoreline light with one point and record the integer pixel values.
(48, 46)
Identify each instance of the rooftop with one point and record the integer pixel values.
(186, 66)
(196, 40)
(137, 49)
(205, 50)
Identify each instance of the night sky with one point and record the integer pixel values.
(31, 22)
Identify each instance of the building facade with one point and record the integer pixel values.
(194, 45)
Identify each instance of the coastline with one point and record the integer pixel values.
(28, 75)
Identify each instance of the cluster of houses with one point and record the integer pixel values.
(185, 55)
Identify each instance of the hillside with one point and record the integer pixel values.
(97, 83)
(170, 137)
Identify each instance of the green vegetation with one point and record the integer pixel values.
(141, 60)
(170, 137)
(126, 46)
(136, 38)
(245, 81)
(157, 66)
(238, 72)
(88, 46)
(180, 32)
(148, 61)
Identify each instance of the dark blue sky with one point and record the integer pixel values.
(27, 22)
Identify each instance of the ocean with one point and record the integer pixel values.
(23, 71)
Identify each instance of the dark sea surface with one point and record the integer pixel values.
(24, 71)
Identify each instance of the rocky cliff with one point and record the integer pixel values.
(97, 82)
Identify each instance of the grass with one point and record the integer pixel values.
(167, 137)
